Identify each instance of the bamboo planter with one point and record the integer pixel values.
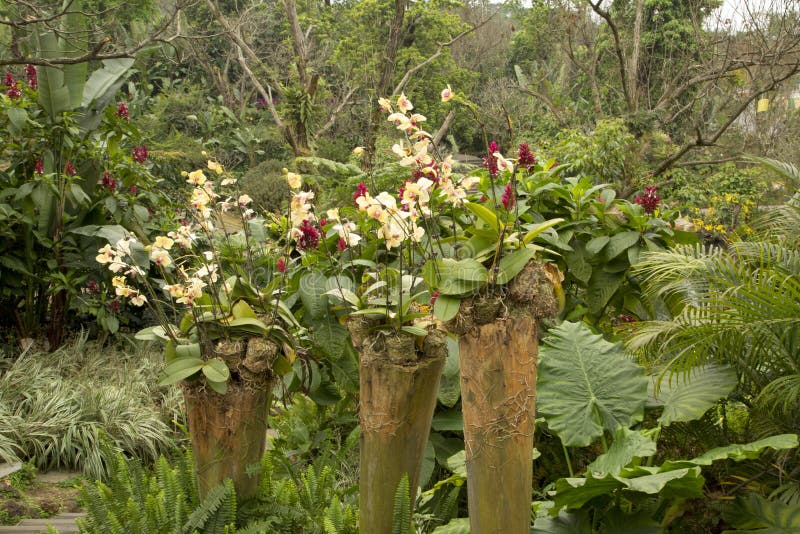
(228, 431)
(398, 397)
(498, 349)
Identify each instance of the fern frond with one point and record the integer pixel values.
(401, 516)
(214, 501)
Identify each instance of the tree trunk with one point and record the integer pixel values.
(228, 433)
(498, 387)
(397, 403)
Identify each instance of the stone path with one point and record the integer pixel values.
(63, 523)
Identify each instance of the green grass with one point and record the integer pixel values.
(57, 408)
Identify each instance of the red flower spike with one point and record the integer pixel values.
(361, 190)
(122, 111)
(39, 167)
(69, 169)
(525, 157)
(649, 200)
(139, 154)
(490, 162)
(281, 265)
(309, 238)
(30, 77)
(508, 198)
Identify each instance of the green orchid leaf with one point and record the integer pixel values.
(455, 277)
(538, 228)
(248, 325)
(180, 369)
(218, 387)
(414, 330)
(510, 265)
(241, 309)
(446, 307)
(587, 385)
(485, 214)
(216, 370)
(191, 350)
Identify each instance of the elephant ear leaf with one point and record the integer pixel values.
(587, 385)
(687, 396)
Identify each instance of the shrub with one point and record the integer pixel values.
(266, 184)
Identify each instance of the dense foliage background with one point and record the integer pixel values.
(650, 120)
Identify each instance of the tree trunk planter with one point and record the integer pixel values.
(398, 395)
(497, 350)
(228, 432)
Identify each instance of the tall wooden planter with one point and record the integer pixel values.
(498, 348)
(228, 432)
(498, 390)
(397, 398)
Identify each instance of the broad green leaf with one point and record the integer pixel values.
(619, 243)
(457, 463)
(586, 385)
(738, 452)
(484, 214)
(459, 525)
(450, 382)
(628, 444)
(616, 521)
(577, 265)
(312, 294)
(180, 369)
(688, 397)
(511, 265)
(594, 246)
(53, 94)
(446, 307)
(602, 286)
(576, 492)
(428, 464)
(104, 80)
(216, 370)
(448, 420)
(755, 514)
(17, 118)
(577, 522)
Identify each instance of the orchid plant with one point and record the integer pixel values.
(206, 281)
(481, 226)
